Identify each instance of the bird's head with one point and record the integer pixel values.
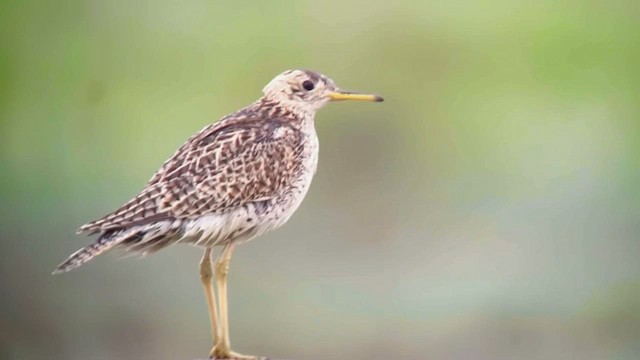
(308, 91)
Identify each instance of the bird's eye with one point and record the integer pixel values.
(308, 85)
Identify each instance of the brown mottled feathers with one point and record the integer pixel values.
(226, 165)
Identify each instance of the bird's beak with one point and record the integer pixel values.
(348, 95)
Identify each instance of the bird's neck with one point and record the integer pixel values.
(288, 110)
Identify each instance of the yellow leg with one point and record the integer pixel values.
(206, 276)
(222, 349)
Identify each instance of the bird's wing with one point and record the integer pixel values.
(224, 166)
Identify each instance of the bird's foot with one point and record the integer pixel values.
(219, 353)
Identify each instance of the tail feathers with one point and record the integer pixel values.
(105, 242)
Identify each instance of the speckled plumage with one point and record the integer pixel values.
(229, 183)
(232, 181)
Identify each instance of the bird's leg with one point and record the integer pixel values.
(222, 349)
(206, 276)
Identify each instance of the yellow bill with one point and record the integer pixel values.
(347, 95)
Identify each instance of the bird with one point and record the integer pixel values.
(233, 181)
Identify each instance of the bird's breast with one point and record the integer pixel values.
(258, 217)
(291, 198)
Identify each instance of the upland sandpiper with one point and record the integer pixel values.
(231, 182)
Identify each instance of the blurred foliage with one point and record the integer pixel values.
(488, 209)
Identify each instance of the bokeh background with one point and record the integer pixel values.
(489, 209)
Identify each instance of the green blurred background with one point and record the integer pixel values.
(489, 209)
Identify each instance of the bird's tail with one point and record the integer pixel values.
(143, 239)
(106, 241)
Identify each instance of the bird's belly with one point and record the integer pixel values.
(285, 205)
(255, 218)
(278, 210)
